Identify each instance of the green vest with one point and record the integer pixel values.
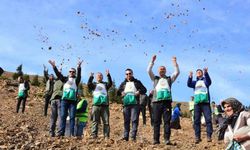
(200, 92)
(82, 115)
(69, 90)
(100, 94)
(21, 90)
(162, 89)
(129, 90)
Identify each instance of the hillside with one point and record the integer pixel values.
(30, 130)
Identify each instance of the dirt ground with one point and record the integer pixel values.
(30, 130)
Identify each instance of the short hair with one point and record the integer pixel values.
(73, 69)
(199, 70)
(128, 69)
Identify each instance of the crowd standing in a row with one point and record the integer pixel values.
(63, 95)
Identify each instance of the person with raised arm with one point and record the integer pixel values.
(69, 97)
(100, 103)
(201, 102)
(162, 98)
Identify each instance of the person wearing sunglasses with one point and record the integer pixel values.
(100, 103)
(162, 99)
(69, 97)
(130, 90)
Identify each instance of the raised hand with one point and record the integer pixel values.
(107, 72)
(191, 74)
(91, 74)
(45, 68)
(153, 58)
(52, 62)
(79, 63)
(174, 60)
(205, 69)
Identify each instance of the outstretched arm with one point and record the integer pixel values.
(78, 76)
(208, 81)
(90, 82)
(176, 70)
(110, 83)
(58, 74)
(190, 82)
(150, 66)
(45, 73)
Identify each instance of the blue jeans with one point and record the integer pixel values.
(55, 112)
(131, 113)
(80, 128)
(206, 110)
(67, 106)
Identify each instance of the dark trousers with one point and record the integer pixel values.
(150, 109)
(162, 109)
(46, 104)
(206, 110)
(55, 115)
(67, 106)
(143, 111)
(23, 100)
(131, 113)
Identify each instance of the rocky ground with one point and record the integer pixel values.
(30, 130)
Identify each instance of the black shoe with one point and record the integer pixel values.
(133, 139)
(167, 142)
(197, 140)
(209, 139)
(125, 139)
(156, 142)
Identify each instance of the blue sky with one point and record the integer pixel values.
(116, 35)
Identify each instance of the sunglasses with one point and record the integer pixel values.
(72, 72)
(128, 73)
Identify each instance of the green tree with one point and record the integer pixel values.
(86, 91)
(80, 89)
(26, 77)
(19, 70)
(112, 94)
(35, 81)
(14, 76)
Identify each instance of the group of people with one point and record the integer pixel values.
(63, 94)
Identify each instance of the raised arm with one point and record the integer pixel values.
(150, 66)
(110, 83)
(58, 74)
(45, 73)
(190, 82)
(208, 81)
(176, 70)
(91, 86)
(78, 76)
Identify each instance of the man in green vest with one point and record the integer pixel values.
(100, 103)
(162, 98)
(130, 90)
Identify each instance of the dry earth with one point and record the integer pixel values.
(30, 130)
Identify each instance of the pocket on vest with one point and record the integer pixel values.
(163, 95)
(200, 98)
(129, 99)
(69, 95)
